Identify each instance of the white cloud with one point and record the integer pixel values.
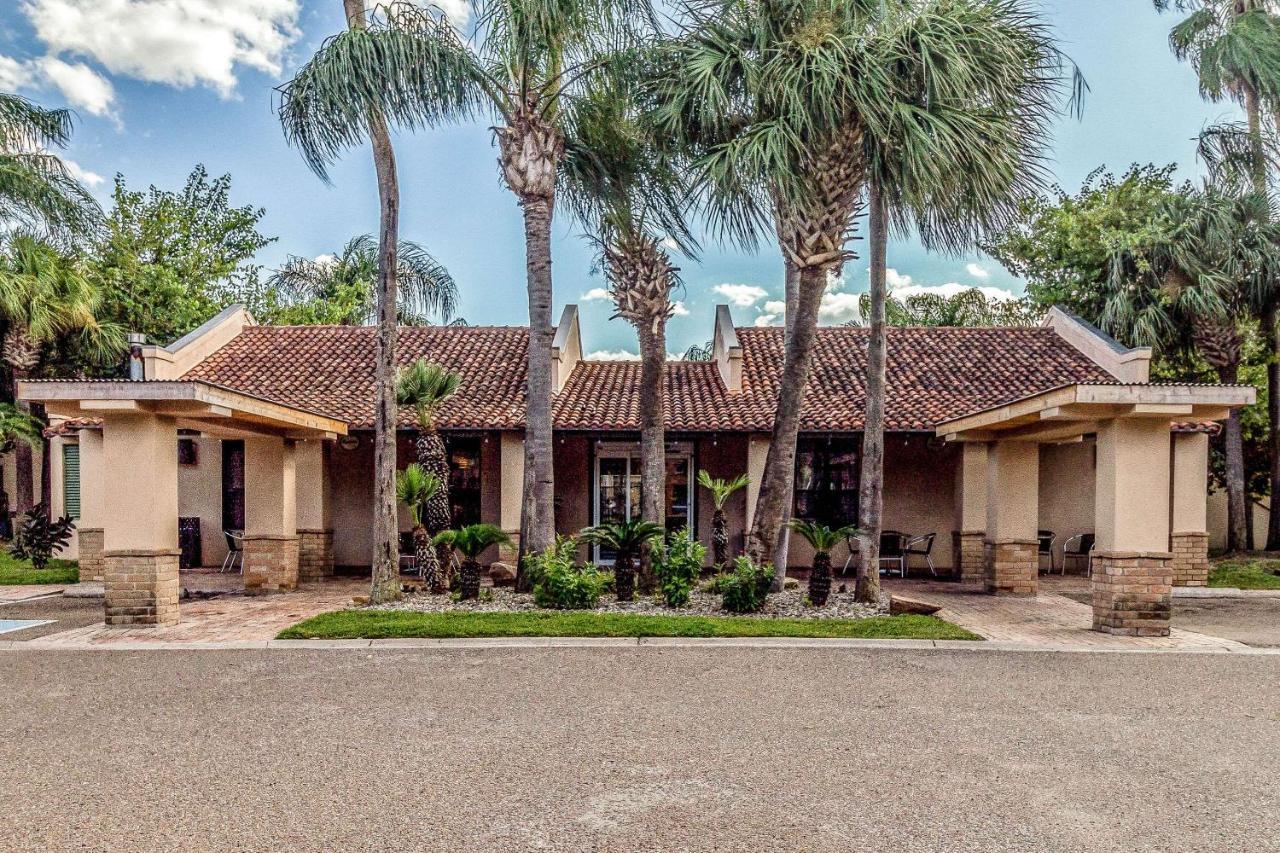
(325, 260)
(978, 271)
(838, 307)
(670, 244)
(741, 295)
(178, 42)
(81, 174)
(678, 309)
(895, 279)
(15, 75)
(596, 294)
(766, 320)
(457, 11)
(80, 85)
(772, 307)
(612, 355)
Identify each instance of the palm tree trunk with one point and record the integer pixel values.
(386, 569)
(1237, 499)
(871, 489)
(23, 458)
(1270, 335)
(719, 539)
(653, 441)
(624, 576)
(777, 482)
(537, 520)
(469, 579)
(438, 514)
(820, 579)
(791, 291)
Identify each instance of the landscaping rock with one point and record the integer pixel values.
(360, 600)
(502, 575)
(900, 605)
(791, 583)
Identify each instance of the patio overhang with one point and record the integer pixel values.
(1074, 411)
(209, 409)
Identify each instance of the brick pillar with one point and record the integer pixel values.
(315, 555)
(1132, 593)
(1012, 567)
(91, 547)
(141, 587)
(971, 556)
(1190, 559)
(270, 563)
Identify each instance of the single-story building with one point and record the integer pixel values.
(994, 435)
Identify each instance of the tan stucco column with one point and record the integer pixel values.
(1132, 575)
(140, 519)
(969, 544)
(757, 455)
(511, 457)
(1189, 524)
(1013, 508)
(92, 498)
(270, 515)
(315, 518)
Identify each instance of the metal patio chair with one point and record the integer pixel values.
(1046, 539)
(1079, 547)
(408, 554)
(919, 546)
(235, 551)
(893, 549)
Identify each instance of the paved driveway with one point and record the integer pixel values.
(638, 749)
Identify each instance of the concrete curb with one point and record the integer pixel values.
(481, 644)
(1223, 592)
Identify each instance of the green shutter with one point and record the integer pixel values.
(71, 480)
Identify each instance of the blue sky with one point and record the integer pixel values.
(161, 85)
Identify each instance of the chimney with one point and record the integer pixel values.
(726, 350)
(137, 371)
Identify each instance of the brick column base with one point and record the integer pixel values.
(270, 563)
(315, 555)
(1012, 567)
(141, 587)
(1190, 559)
(970, 552)
(509, 554)
(1132, 593)
(91, 558)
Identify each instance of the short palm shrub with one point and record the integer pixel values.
(677, 564)
(823, 539)
(37, 537)
(745, 589)
(415, 488)
(626, 538)
(471, 541)
(721, 490)
(559, 583)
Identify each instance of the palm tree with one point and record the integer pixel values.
(45, 297)
(525, 63)
(471, 542)
(340, 289)
(17, 429)
(1234, 46)
(627, 539)
(335, 102)
(721, 490)
(37, 191)
(426, 386)
(630, 198)
(823, 539)
(788, 104)
(415, 488)
(968, 309)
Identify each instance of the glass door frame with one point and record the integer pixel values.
(630, 450)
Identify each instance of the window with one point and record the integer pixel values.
(233, 485)
(464, 480)
(188, 453)
(71, 480)
(827, 471)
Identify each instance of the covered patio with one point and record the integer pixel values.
(1150, 491)
(129, 476)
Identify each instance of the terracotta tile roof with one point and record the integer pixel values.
(329, 369)
(71, 426)
(934, 375)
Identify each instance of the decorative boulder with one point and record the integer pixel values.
(791, 583)
(502, 575)
(902, 606)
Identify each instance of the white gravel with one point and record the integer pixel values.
(786, 604)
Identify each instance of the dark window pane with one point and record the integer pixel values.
(464, 480)
(826, 486)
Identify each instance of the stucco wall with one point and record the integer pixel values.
(723, 457)
(200, 494)
(1218, 522)
(1066, 491)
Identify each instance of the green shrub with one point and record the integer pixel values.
(677, 564)
(745, 588)
(559, 583)
(37, 537)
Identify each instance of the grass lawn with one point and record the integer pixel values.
(1245, 573)
(15, 571)
(381, 624)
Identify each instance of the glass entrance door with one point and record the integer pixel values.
(617, 487)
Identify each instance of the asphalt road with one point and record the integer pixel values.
(638, 749)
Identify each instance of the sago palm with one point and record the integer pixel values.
(823, 540)
(415, 488)
(471, 542)
(37, 191)
(426, 386)
(524, 63)
(626, 538)
(721, 490)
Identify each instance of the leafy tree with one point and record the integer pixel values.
(970, 308)
(37, 191)
(170, 260)
(341, 289)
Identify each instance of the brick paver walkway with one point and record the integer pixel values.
(23, 592)
(1049, 619)
(227, 619)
